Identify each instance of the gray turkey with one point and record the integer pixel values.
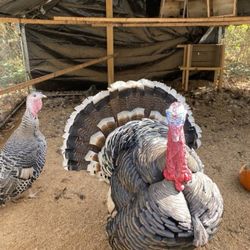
(23, 156)
(159, 196)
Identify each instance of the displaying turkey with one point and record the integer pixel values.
(23, 156)
(159, 196)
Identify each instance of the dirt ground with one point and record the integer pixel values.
(70, 210)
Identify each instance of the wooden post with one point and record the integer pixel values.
(185, 9)
(110, 42)
(208, 8)
(188, 64)
(235, 8)
(215, 78)
(161, 7)
(25, 52)
(222, 61)
(184, 65)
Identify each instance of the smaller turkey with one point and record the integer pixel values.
(23, 156)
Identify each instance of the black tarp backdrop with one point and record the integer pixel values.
(142, 52)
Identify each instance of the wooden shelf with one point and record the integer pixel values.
(198, 8)
(202, 57)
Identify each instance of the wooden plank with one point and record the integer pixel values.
(235, 8)
(110, 42)
(162, 7)
(208, 8)
(215, 77)
(222, 62)
(53, 75)
(205, 47)
(184, 66)
(206, 64)
(189, 59)
(134, 22)
(197, 9)
(206, 58)
(148, 20)
(222, 8)
(174, 24)
(181, 45)
(201, 68)
(171, 8)
(203, 56)
(25, 52)
(104, 20)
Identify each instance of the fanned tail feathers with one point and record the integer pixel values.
(97, 116)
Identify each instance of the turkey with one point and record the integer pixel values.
(159, 196)
(23, 156)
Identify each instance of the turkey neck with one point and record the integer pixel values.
(176, 168)
(29, 121)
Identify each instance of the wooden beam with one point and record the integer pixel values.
(161, 7)
(149, 20)
(25, 51)
(208, 8)
(222, 62)
(184, 67)
(53, 75)
(200, 68)
(159, 22)
(134, 22)
(188, 63)
(110, 42)
(185, 9)
(177, 24)
(30, 21)
(235, 8)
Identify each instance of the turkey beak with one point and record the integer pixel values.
(44, 96)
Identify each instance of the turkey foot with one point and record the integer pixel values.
(33, 195)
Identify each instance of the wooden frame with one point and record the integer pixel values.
(187, 64)
(110, 22)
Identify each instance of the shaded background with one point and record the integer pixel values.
(142, 52)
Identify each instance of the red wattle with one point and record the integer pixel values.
(176, 169)
(36, 107)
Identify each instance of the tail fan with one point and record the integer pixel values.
(97, 116)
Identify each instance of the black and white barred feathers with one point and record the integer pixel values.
(23, 156)
(120, 135)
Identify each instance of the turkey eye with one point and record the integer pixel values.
(34, 95)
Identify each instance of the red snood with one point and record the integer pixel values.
(176, 164)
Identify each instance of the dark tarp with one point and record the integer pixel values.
(142, 52)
